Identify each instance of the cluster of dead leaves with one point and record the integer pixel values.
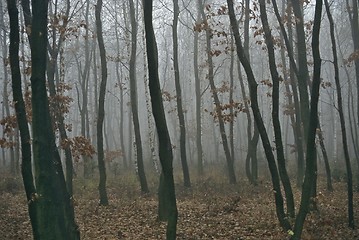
(210, 210)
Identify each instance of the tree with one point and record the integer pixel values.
(275, 111)
(101, 107)
(258, 119)
(313, 123)
(134, 104)
(54, 209)
(217, 108)
(54, 50)
(342, 119)
(186, 177)
(6, 102)
(252, 140)
(26, 168)
(198, 96)
(166, 194)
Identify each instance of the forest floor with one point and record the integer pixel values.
(212, 209)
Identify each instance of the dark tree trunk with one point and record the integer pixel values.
(294, 73)
(259, 121)
(186, 177)
(26, 167)
(167, 195)
(313, 123)
(101, 107)
(302, 76)
(55, 213)
(326, 161)
(275, 112)
(342, 119)
(134, 104)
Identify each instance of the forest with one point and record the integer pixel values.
(179, 119)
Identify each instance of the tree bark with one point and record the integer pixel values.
(198, 98)
(342, 119)
(167, 195)
(217, 108)
(134, 103)
(186, 177)
(275, 111)
(313, 123)
(101, 110)
(26, 166)
(55, 214)
(59, 118)
(259, 121)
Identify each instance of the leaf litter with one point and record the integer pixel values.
(209, 210)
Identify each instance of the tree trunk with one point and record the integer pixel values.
(101, 110)
(258, 119)
(186, 177)
(217, 108)
(26, 166)
(121, 101)
(198, 98)
(59, 118)
(55, 214)
(134, 104)
(313, 123)
(342, 119)
(167, 195)
(275, 112)
(294, 73)
(6, 102)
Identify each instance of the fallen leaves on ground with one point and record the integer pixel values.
(210, 210)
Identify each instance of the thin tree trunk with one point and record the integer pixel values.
(134, 101)
(101, 110)
(313, 123)
(217, 110)
(259, 121)
(275, 112)
(342, 119)
(198, 97)
(186, 177)
(121, 88)
(294, 72)
(59, 118)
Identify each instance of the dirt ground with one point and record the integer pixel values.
(212, 209)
